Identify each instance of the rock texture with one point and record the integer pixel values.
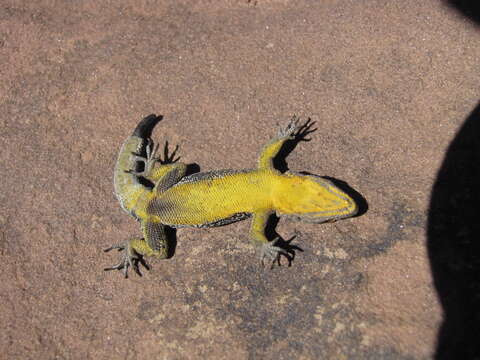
(389, 84)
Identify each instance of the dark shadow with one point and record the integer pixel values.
(169, 156)
(469, 8)
(171, 234)
(192, 169)
(270, 231)
(271, 234)
(289, 249)
(144, 181)
(453, 243)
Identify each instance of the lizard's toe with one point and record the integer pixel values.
(271, 252)
(130, 258)
(290, 129)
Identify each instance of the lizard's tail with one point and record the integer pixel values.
(145, 127)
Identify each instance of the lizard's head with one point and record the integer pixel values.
(314, 199)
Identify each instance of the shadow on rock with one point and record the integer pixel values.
(453, 237)
(469, 8)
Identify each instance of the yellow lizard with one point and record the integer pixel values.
(160, 196)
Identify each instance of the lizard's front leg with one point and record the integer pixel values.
(292, 131)
(267, 249)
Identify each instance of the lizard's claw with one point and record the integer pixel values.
(129, 259)
(296, 131)
(272, 253)
(149, 161)
(151, 151)
(290, 129)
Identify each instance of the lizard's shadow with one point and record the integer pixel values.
(171, 234)
(271, 234)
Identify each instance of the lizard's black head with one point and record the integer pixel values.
(145, 127)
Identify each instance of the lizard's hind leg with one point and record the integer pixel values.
(149, 160)
(154, 244)
(130, 258)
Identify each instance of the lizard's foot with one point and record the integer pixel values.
(289, 130)
(296, 131)
(148, 161)
(130, 258)
(271, 252)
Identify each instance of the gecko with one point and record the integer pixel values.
(161, 195)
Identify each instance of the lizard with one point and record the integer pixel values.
(164, 196)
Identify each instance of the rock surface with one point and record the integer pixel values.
(388, 83)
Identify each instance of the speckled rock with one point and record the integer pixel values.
(388, 83)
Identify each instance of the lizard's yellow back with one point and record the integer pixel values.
(208, 198)
(205, 198)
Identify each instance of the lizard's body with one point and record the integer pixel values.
(165, 196)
